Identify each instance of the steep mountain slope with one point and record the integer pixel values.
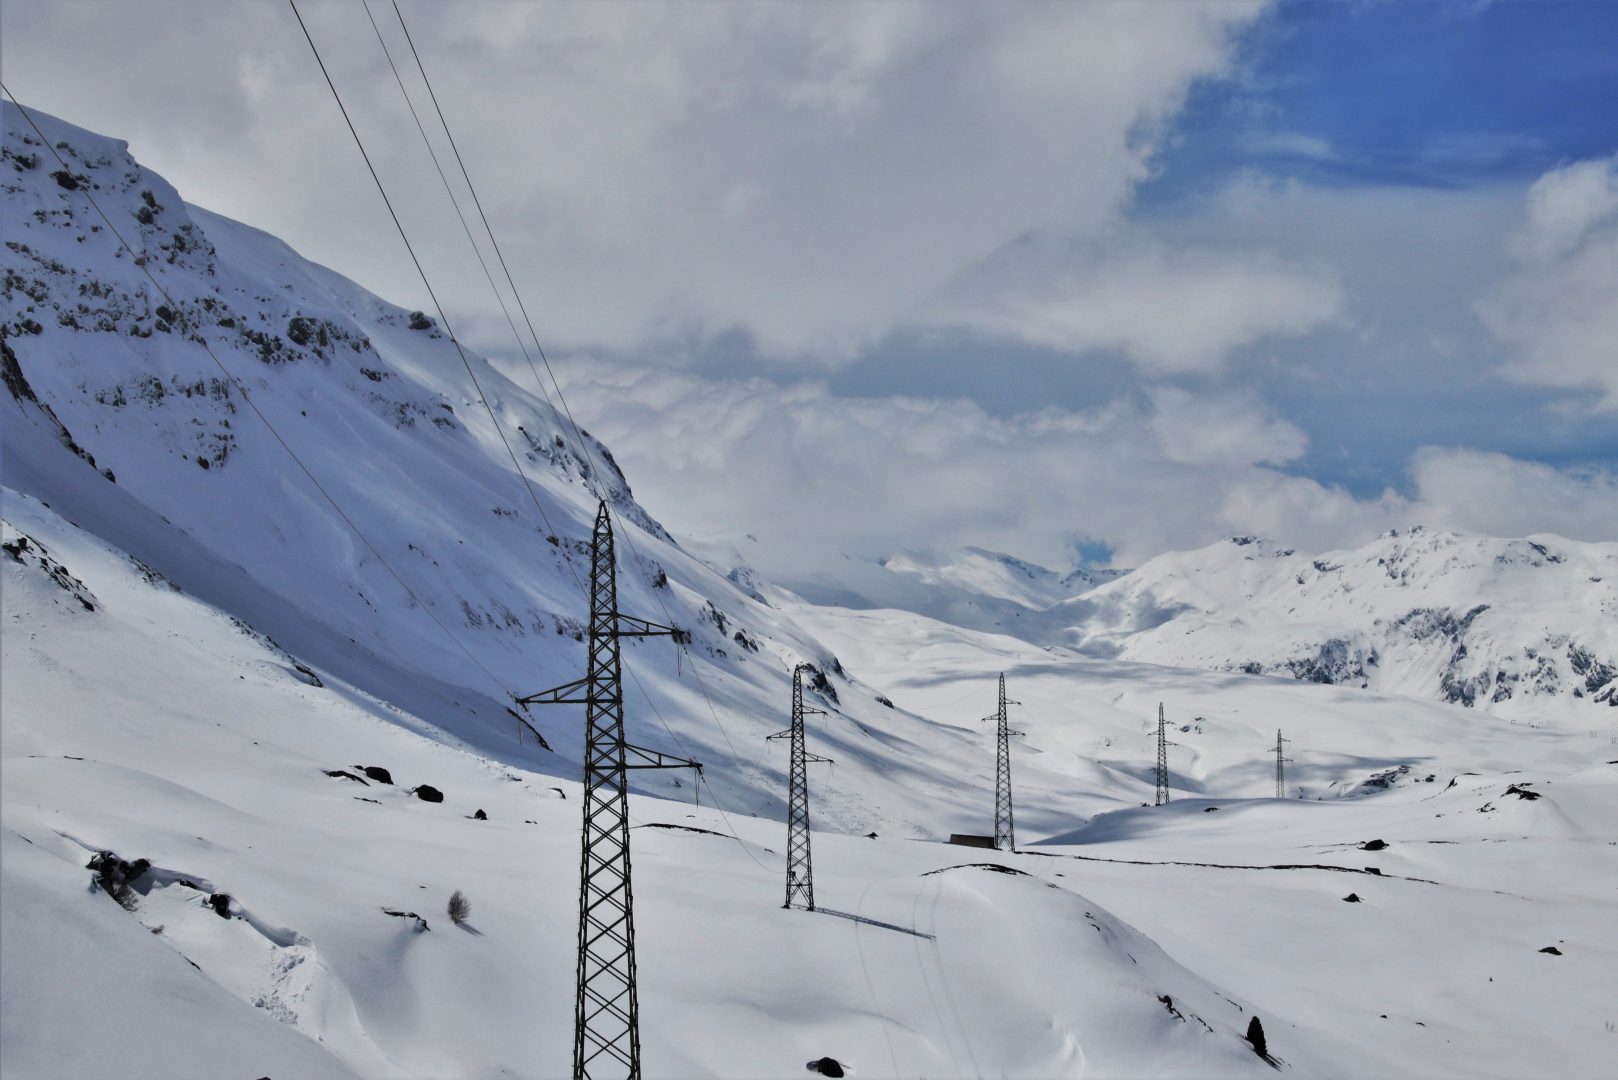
(1508, 625)
(122, 420)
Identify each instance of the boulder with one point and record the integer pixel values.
(428, 793)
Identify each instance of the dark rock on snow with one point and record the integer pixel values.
(421, 923)
(344, 774)
(428, 793)
(826, 1067)
(1373, 845)
(117, 877)
(377, 773)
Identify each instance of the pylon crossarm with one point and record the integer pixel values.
(787, 734)
(630, 626)
(573, 693)
(656, 759)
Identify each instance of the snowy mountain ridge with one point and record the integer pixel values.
(1472, 620)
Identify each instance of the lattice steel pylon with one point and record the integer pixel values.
(606, 1014)
(1280, 766)
(800, 871)
(1162, 758)
(1004, 833)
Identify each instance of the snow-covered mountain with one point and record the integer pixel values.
(1473, 620)
(971, 587)
(222, 713)
(442, 579)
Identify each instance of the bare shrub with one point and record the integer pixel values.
(459, 907)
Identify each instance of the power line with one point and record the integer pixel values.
(540, 383)
(592, 480)
(592, 469)
(465, 228)
(241, 388)
(495, 243)
(397, 224)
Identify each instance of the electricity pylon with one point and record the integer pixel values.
(1004, 834)
(800, 872)
(1162, 759)
(606, 1011)
(1280, 766)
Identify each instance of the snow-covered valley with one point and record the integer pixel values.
(202, 657)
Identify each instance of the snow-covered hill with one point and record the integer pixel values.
(1499, 624)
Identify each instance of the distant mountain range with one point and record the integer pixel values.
(1473, 620)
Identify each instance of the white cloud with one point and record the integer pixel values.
(1500, 495)
(809, 174)
(1559, 311)
(1225, 429)
(813, 475)
(1564, 203)
(1169, 309)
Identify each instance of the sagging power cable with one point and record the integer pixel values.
(593, 472)
(443, 320)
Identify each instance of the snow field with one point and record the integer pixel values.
(206, 753)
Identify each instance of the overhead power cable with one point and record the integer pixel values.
(592, 479)
(476, 248)
(443, 320)
(141, 261)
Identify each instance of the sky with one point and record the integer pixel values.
(1071, 281)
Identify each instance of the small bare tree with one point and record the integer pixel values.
(459, 907)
